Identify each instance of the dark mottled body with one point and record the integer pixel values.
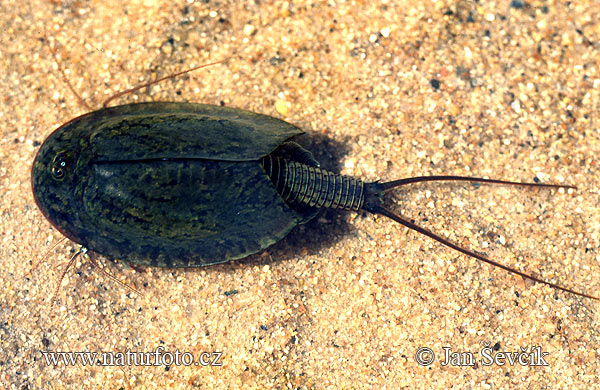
(168, 184)
(180, 184)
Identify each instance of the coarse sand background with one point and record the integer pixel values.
(384, 90)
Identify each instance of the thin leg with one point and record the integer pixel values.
(111, 276)
(35, 264)
(64, 272)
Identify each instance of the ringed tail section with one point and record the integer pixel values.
(306, 185)
(312, 186)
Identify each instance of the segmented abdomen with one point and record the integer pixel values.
(312, 186)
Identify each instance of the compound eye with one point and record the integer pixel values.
(58, 173)
(59, 165)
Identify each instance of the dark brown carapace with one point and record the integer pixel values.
(301, 183)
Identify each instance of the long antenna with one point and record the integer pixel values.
(385, 212)
(127, 91)
(66, 79)
(396, 183)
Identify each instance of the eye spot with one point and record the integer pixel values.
(59, 165)
(58, 173)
